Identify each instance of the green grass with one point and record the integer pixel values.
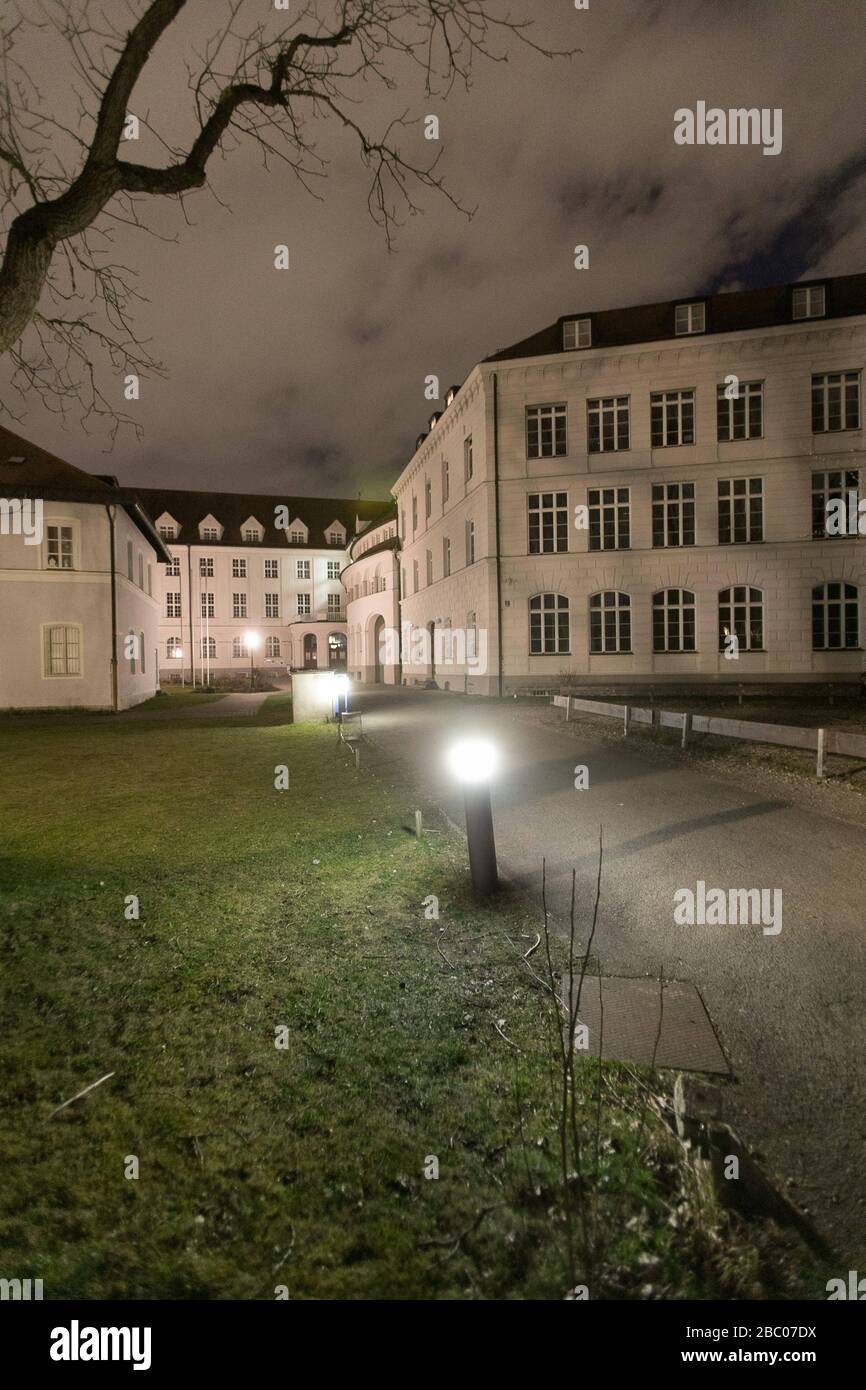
(300, 1166)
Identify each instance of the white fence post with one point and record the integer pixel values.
(819, 770)
(626, 710)
(567, 708)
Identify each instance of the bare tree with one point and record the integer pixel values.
(64, 191)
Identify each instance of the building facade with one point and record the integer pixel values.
(646, 494)
(253, 580)
(371, 580)
(79, 579)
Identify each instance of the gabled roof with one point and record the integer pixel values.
(732, 312)
(44, 475)
(233, 509)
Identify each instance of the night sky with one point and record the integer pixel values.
(312, 380)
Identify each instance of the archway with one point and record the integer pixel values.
(378, 668)
(311, 646)
(337, 651)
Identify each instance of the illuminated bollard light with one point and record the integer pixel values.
(473, 762)
(340, 687)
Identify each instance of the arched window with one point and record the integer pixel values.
(610, 622)
(674, 620)
(310, 651)
(208, 648)
(173, 648)
(272, 646)
(741, 615)
(549, 627)
(835, 617)
(239, 647)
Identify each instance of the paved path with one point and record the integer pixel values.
(789, 1009)
(225, 707)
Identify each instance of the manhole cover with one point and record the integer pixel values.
(641, 1021)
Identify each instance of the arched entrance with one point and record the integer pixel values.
(378, 667)
(311, 647)
(337, 651)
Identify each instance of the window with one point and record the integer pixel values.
(415, 576)
(334, 605)
(142, 650)
(549, 628)
(446, 481)
(470, 542)
(446, 557)
(56, 565)
(239, 569)
(239, 647)
(672, 418)
(607, 424)
(610, 622)
(333, 569)
(296, 537)
(808, 302)
(835, 402)
(673, 514)
(428, 498)
(689, 318)
(545, 431)
(414, 514)
(130, 644)
(742, 416)
(576, 333)
(172, 569)
(608, 518)
(272, 605)
(835, 617)
(741, 510)
(210, 533)
(548, 522)
(239, 605)
(303, 604)
(207, 605)
(832, 487)
(302, 569)
(674, 620)
(172, 605)
(150, 579)
(59, 548)
(741, 615)
(208, 648)
(251, 535)
(168, 533)
(205, 566)
(468, 465)
(471, 636)
(272, 569)
(173, 648)
(140, 570)
(63, 650)
(402, 521)
(429, 559)
(272, 646)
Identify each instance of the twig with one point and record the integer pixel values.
(441, 952)
(91, 1087)
(504, 1039)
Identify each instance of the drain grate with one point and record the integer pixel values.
(632, 1021)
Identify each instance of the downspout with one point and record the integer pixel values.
(112, 512)
(498, 546)
(189, 585)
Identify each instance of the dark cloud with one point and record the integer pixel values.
(313, 379)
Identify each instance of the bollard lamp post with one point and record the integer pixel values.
(473, 762)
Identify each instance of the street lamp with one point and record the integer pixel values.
(341, 687)
(473, 762)
(252, 641)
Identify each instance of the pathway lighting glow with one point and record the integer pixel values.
(473, 762)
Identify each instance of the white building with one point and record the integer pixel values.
(371, 580)
(642, 494)
(248, 568)
(79, 562)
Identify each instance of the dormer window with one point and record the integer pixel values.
(252, 531)
(690, 318)
(168, 533)
(167, 527)
(809, 302)
(336, 533)
(435, 418)
(297, 537)
(210, 533)
(576, 333)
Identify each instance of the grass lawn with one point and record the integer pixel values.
(296, 918)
